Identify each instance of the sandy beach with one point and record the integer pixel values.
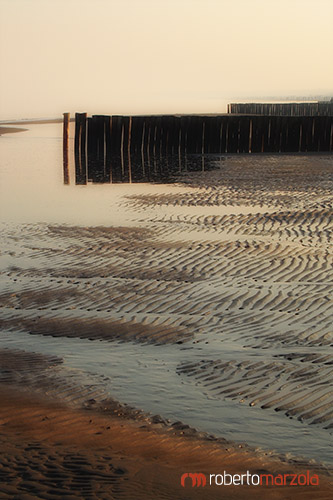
(191, 333)
(49, 451)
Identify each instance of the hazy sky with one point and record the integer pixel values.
(159, 56)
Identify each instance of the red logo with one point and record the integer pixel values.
(198, 479)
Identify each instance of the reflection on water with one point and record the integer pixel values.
(132, 168)
(41, 184)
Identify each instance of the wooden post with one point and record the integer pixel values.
(92, 147)
(122, 150)
(142, 148)
(148, 134)
(77, 137)
(83, 144)
(154, 140)
(65, 147)
(80, 130)
(203, 138)
(108, 151)
(179, 147)
(300, 137)
(129, 150)
(238, 135)
(203, 146)
(77, 149)
(227, 138)
(250, 137)
(263, 139)
(220, 136)
(80, 141)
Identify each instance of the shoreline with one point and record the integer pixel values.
(122, 456)
(11, 130)
(32, 121)
(5, 129)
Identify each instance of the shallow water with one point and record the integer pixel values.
(145, 377)
(33, 196)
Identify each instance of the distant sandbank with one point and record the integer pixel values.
(11, 130)
(5, 129)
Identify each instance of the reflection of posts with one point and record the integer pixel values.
(65, 147)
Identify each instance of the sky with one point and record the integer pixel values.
(160, 56)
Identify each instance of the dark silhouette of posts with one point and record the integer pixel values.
(65, 147)
(108, 148)
(129, 149)
(80, 133)
(118, 141)
(80, 148)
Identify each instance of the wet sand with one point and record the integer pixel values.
(259, 281)
(49, 451)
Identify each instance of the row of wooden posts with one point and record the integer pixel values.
(100, 136)
(320, 108)
(107, 143)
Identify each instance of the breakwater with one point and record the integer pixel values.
(100, 136)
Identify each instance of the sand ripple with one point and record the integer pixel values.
(258, 281)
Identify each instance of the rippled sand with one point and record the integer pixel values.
(50, 451)
(259, 279)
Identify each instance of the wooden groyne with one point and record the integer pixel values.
(320, 108)
(100, 138)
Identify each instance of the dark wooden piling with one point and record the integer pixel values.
(270, 136)
(116, 142)
(184, 122)
(190, 135)
(108, 149)
(123, 142)
(226, 142)
(142, 150)
(77, 138)
(211, 138)
(244, 135)
(80, 132)
(97, 152)
(129, 137)
(80, 148)
(250, 135)
(83, 145)
(100, 139)
(91, 144)
(65, 147)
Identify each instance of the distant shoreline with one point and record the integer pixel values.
(4, 129)
(11, 130)
(31, 121)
